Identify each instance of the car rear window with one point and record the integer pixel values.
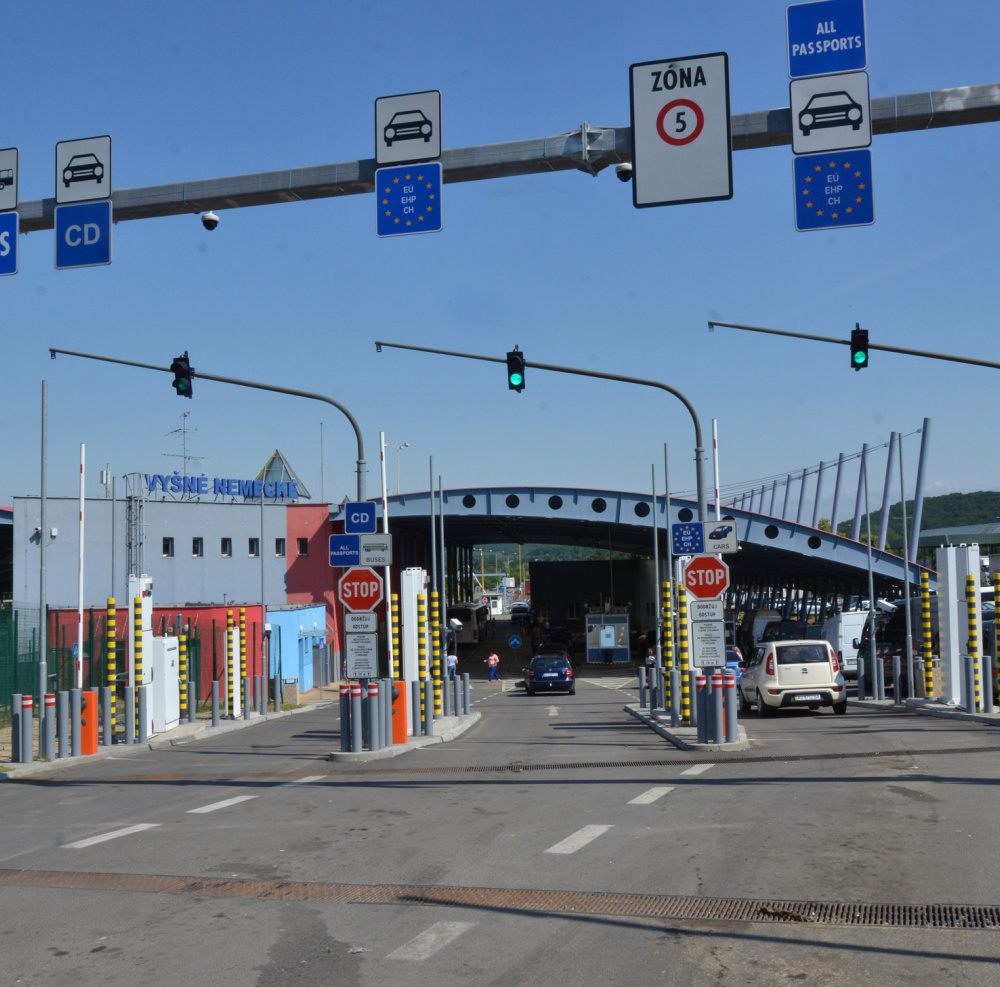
(548, 664)
(801, 654)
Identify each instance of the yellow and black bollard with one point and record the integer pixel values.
(182, 661)
(230, 665)
(397, 658)
(928, 641)
(666, 609)
(137, 648)
(421, 636)
(436, 644)
(973, 618)
(241, 685)
(682, 622)
(111, 661)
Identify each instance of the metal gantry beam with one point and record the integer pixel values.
(590, 149)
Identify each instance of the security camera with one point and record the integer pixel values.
(624, 172)
(209, 220)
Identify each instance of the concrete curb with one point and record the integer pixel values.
(685, 738)
(445, 729)
(177, 737)
(929, 707)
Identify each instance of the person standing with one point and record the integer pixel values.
(452, 664)
(493, 661)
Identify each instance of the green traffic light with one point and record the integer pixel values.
(516, 379)
(860, 358)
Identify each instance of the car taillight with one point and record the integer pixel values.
(769, 665)
(569, 673)
(836, 666)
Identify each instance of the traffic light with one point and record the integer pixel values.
(181, 369)
(515, 370)
(859, 347)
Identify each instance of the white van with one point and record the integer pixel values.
(842, 630)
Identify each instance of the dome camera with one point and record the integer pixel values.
(209, 220)
(624, 172)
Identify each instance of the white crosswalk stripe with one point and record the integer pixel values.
(127, 831)
(579, 839)
(651, 796)
(697, 769)
(223, 804)
(430, 941)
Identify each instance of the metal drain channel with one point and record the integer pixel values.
(672, 907)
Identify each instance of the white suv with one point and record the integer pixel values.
(783, 674)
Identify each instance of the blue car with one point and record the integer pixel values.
(549, 672)
(733, 659)
(721, 531)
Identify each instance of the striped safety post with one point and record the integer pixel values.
(230, 670)
(182, 661)
(973, 621)
(700, 705)
(243, 658)
(667, 644)
(928, 641)
(436, 653)
(397, 657)
(49, 749)
(421, 636)
(111, 669)
(682, 627)
(356, 738)
(137, 649)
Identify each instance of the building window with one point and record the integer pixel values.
(303, 546)
(197, 547)
(227, 548)
(168, 548)
(279, 547)
(253, 548)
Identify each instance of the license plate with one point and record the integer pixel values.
(808, 698)
(550, 675)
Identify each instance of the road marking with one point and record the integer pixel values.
(697, 769)
(224, 804)
(424, 946)
(579, 839)
(553, 711)
(651, 796)
(127, 831)
(308, 780)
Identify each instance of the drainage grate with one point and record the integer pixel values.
(679, 908)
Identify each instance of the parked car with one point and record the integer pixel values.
(786, 674)
(549, 672)
(734, 661)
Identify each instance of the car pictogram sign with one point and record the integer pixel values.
(360, 589)
(706, 577)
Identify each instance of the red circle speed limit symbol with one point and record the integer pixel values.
(686, 121)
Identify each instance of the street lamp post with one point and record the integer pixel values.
(405, 445)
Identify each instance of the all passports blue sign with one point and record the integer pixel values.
(826, 37)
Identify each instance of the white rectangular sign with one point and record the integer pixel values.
(408, 128)
(361, 652)
(705, 610)
(8, 179)
(83, 170)
(360, 623)
(681, 144)
(830, 113)
(376, 549)
(708, 644)
(720, 538)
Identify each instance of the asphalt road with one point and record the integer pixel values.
(538, 848)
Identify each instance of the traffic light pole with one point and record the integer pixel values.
(362, 494)
(699, 448)
(927, 354)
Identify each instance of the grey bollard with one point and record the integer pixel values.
(446, 695)
(985, 686)
(699, 708)
(49, 751)
(718, 715)
(969, 692)
(356, 726)
(256, 693)
(277, 694)
(62, 724)
(246, 697)
(215, 702)
(76, 713)
(15, 727)
(192, 700)
(897, 681)
(130, 714)
(386, 693)
(457, 684)
(675, 696)
(345, 717)
(879, 679)
(427, 699)
(106, 716)
(27, 729)
(143, 717)
(415, 700)
(732, 725)
(466, 689)
(642, 688)
(861, 677)
(374, 717)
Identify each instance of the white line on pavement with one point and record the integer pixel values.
(579, 839)
(429, 941)
(697, 769)
(651, 796)
(308, 780)
(224, 804)
(127, 831)
(553, 711)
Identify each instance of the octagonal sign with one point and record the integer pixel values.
(360, 589)
(706, 577)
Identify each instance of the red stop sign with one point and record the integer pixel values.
(706, 577)
(360, 588)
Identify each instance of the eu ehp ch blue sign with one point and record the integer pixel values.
(826, 37)
(83, 234)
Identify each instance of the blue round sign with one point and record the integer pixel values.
(514, 641)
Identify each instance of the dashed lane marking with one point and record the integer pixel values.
(652, 795)
(578, 840)
(307, 780)
(224, 804)
(430, 941)
(697, 769)
(104, 837)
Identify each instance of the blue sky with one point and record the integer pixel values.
(560, 264)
